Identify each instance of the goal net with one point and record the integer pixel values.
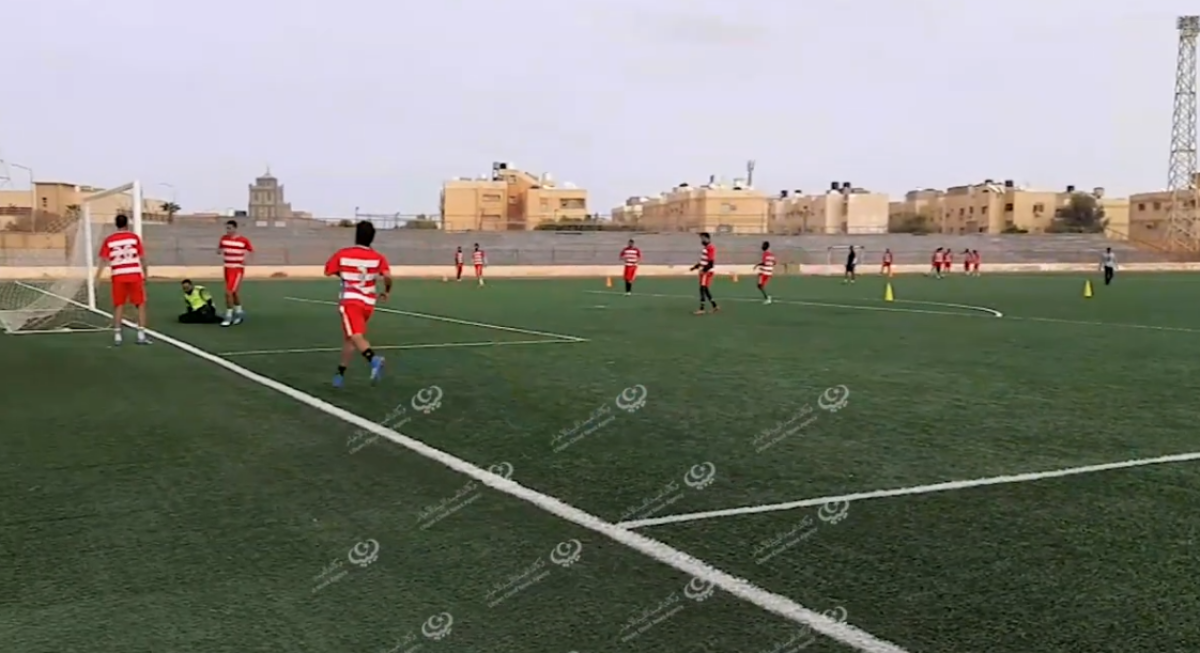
(49, 258)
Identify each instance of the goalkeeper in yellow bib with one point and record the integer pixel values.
(199, 303)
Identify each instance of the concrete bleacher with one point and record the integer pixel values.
(305, 245)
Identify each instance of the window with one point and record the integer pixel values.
(961, 212)
(1158, 206)
(1039, 208)
(1141, 206)
(491, 197)
(983, 209)
(728, 208)
(44, 202)
(1008, 208)
(544, 204)
(971, 210)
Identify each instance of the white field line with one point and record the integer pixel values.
(967, 307)
(451, 320)
(1115, 325)
(435, 345)
(855, 638)
(796, 302)
(916, 489)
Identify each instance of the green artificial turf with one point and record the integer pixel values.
(153, 501)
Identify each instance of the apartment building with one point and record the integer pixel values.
(1148, 213)
(509, 200)
(54, 201)
(843, 209)
(713, 207)
(989, 207)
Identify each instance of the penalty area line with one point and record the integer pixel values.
(451, 320)
(916, 489)
(433, 345)
(797, 302)
(854, 638)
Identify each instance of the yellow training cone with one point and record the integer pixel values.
(608, 282)
(1087, 289)
(887, 294)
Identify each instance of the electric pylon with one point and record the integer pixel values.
(1183, 231)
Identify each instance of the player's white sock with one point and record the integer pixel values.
(237, 309)
(229, 314)
(117, 336)
(141, 334)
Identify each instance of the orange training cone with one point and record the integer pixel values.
(608, 282)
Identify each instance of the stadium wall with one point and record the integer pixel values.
(210, 272)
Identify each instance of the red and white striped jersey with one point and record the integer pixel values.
(887, 258)
(477, 257)
(631, 256)
(124, 252)
(234, 248)
(458, 258)
(360, 269)
(767, 267)
(708, 254)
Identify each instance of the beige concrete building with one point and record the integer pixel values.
(988, 207)
(1148, 213)
(509, 200)
(267, 200)
(843, 209)
(713, 207)
(52, 203)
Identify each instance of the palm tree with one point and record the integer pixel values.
(170, 208)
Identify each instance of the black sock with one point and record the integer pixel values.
(369, 354)
(628, 286)
(341, 370)
(763, 291)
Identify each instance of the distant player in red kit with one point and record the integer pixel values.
(708, 261)
(765, 268)
(887, 262)
(967, 259)
(458, 263)
(947, 260)
(631, 256)
(478, 259)
(234, 247)
(360, 268)
(938, 259)
(975, 262)
(123, 252)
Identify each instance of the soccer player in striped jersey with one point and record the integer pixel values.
(233, 248)
(458, 263)
(708, 261)
(478, 259)
(123, 252)
(360, 268)
(631, 256)
(765, 268)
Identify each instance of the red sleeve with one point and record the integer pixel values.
(384, 268)
(332, 266)
(249, 247)
(104, 250)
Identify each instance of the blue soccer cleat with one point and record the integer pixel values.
(376, 369)
(338, 380)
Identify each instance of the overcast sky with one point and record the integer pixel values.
(373, 104)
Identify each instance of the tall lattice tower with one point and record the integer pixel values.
(1183, 228)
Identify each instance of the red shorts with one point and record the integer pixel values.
(128, 291)
(354, 318)
(479, 270)
(706, 279)
(763, 279)
(630, 273)
(887, 265)
(233, 278)
(966, 267)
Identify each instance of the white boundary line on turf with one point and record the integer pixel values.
(905, 491)
(982, 309)
(1115, 325)
(797, 302)
(845, 633)
(435, 345)
(451, 320)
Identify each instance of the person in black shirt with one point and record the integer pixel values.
(851, 263)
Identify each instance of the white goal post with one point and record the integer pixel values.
(48, 259)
